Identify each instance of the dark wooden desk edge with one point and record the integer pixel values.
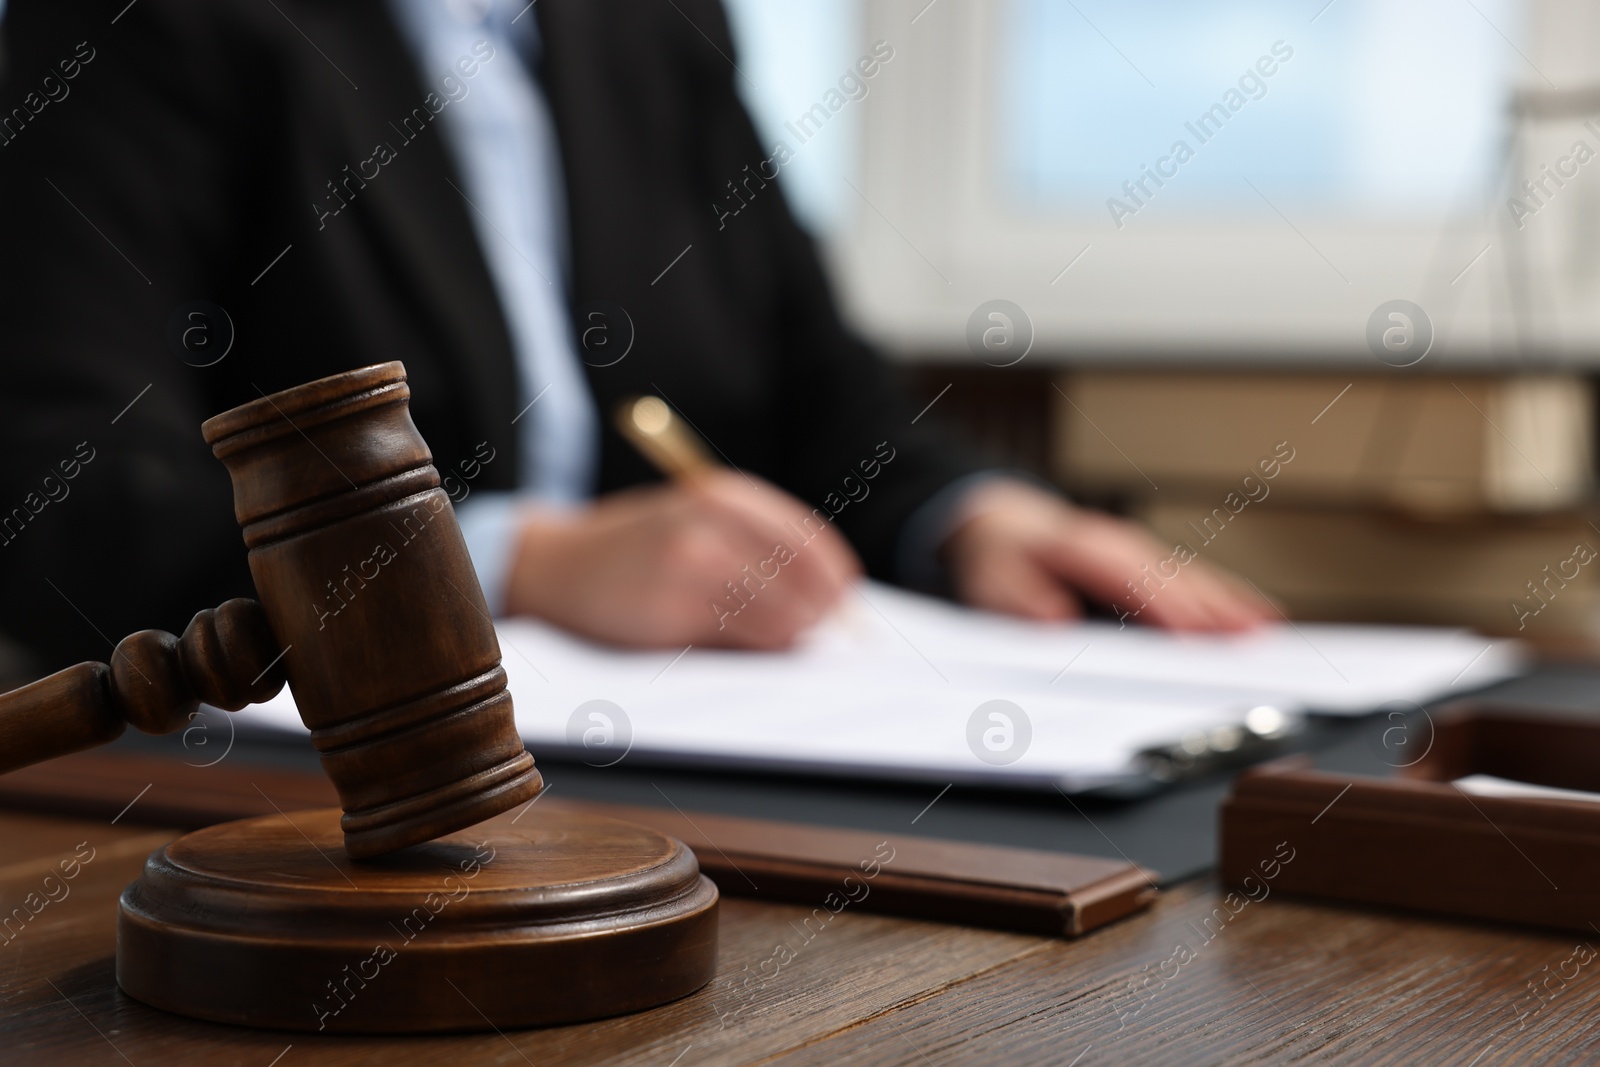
(999, 887)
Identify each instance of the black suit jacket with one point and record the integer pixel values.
(189, 157)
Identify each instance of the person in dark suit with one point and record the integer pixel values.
(210, 200)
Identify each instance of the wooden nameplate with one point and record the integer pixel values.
(1420, 842)
(1050, 893)
(1057, 894)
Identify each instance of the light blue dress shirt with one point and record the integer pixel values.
(498, 131)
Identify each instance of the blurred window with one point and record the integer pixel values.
(790, 53)
(1382, 107)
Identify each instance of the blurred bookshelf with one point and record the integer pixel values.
(1430, 499)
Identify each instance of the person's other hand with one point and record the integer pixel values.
(651, 567)
(1019, 550)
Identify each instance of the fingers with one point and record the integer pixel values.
(1202, 600)
(768, 625)
(730, 561)
(1234, 604)
(802, 565)
(1017, 584)
(761, 606)
(1121, 564)
(724, 562)
(791, 520)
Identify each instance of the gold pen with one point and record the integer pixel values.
(663, 438)
(673, 448)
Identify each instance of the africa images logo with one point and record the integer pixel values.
(999, 732)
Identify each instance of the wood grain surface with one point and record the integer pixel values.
(1276, 981)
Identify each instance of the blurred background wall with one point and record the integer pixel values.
(1375, 248)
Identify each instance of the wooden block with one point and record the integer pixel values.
(1055, 893)
(1419, 842)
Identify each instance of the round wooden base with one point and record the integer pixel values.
(547, 916)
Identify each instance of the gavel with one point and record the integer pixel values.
(369, 607)
(371, 610)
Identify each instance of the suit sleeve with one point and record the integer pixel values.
(111, 518)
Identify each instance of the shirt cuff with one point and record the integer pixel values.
(917, 564)
(490, 523)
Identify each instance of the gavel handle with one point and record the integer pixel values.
(69, 711)
(226, 657)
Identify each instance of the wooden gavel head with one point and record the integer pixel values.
(369, 605)
(387, 642)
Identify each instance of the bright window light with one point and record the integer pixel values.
(1380, 108)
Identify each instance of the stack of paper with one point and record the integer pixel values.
(904, 686)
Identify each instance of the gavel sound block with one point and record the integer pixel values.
(408, 911)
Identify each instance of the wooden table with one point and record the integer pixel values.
(1282, 982)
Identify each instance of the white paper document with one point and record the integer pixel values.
(898, 685)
